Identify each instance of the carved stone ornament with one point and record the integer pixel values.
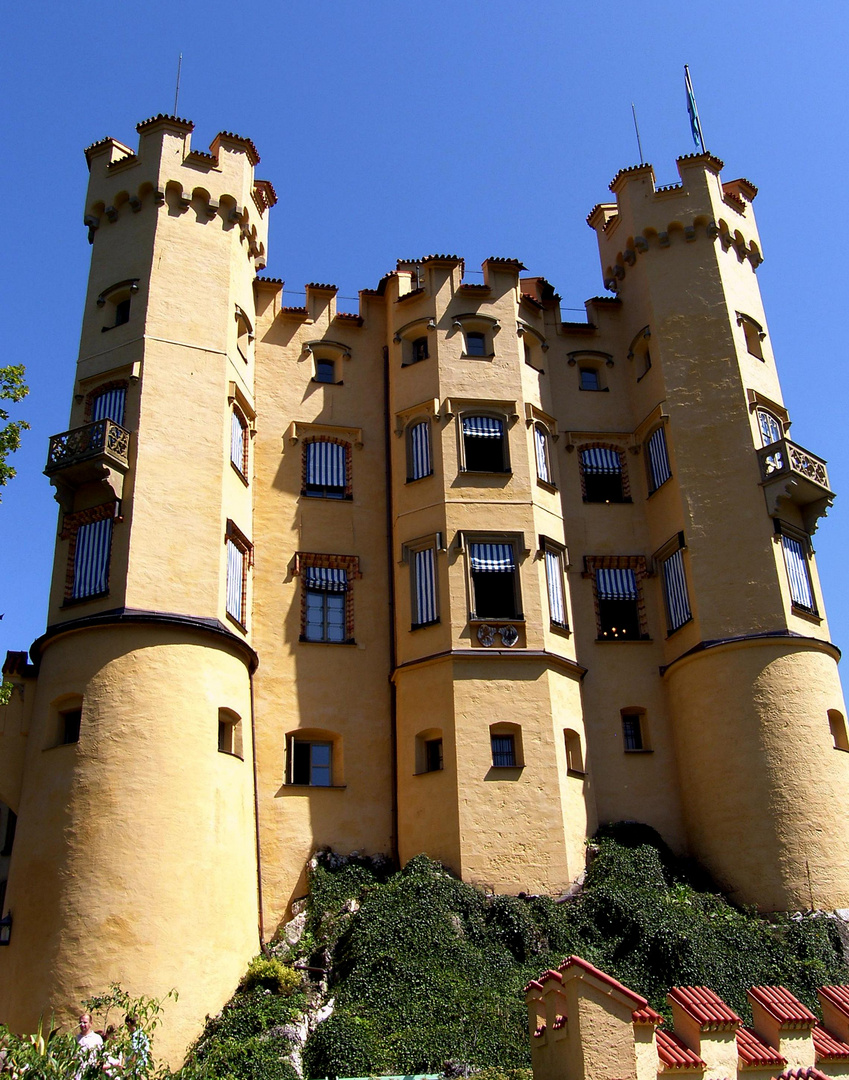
(509, 635)
(486, 635)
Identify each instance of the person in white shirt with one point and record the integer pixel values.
(90, 1044)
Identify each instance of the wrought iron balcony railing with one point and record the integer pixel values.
(103, 443)
(788, 471)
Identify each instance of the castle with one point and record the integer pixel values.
(446, 574)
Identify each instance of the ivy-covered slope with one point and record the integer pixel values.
(424, 969)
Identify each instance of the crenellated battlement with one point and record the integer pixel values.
(700, 206)
(165, 170)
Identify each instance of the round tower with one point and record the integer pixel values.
(751, 678)
(135, 855)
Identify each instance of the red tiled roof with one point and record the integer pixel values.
(320, 287)
(704, 1005)
(474, 285)
(253, 153)
(754, 1051)
(829, 1046)
(674, 1053)
(501, 261)
(614, 984)
(646, 1015)
(813, 1073)
(837, 995)
(781, 1004)
(164, 116)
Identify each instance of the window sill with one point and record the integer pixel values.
(643, 640)
(59, 746)
(804, 613)
(73, 601)
(594, 390)
(231, 753)
(424, 625)
(628, 501)
(672, 633)
(641, 750)
(344, 497)
(317, 787)
(507, 768)
(578, 774)
(242, 626)
(477, 356)
(513, 620)
(429, 772)
(415, 479)
(106, 329)
(486, 472)
(323, 382)
(558, 628)
(547, 485)
(239, 473)
(842, 749)
(659, 486)
(317, 641)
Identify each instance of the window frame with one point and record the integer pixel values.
(592, 482)
(541, 437)
(574, 748)
(668, 561)
(636, 564)
(314, 737)
(484, 413)
(799, 543)
(652, 473)
(418, 422)
(777, 423)
(411, 551)
(241, 467)
(339, 492)
(635, 715)
(754, 335)
(117, 301)
(480, 328)
(350, 565)
(236, 541)
(555, 559)
(424, 742)
(325, 362)
(517, 543)
(504, 730)
(230, 734)
(72, 524)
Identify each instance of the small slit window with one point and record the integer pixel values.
(229, 733)
(506, 746)
(634, 730)
(754, 335)
(574, 752)
(429, 753)
(837, 725)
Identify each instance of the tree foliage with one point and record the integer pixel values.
(12, 388)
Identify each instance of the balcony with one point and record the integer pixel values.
(91, 453)
(788, 471)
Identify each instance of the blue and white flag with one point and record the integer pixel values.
(692, 109)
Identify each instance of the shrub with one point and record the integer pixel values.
(271, 974)
(344, 1045)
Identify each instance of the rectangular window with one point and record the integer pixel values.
(556, 591)
(657, 460)
(70, 722)
(475, 343)
(503, 751)
(590, 379)
(798, 574)
(419, 462)
(91, 559)
(325, 611)
(110, 405)
(425, 610)
(311, 763)
(433, 755)
(541, 448)
(632, 731)
(618, 611)
(602, 475)
(239, 442)
(494, 586)
(236, 581)
(675, 591)
(325, 469)
(484, 448)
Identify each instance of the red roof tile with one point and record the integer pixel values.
(829, 1046)
(164, 116)
(646, 1015)
(837, 995)
(674, 1053)
(754, 1051)
(813, 1073)
(781, 1004)
(704, 1005)
(614, 984)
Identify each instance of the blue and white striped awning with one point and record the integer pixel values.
(492, 557)
(326, 579)
(616, 584)
(425, 574)
(326, 464)
(554, 576)
(483, 427)
(659, 470)
(91, 559)
(797, 571)
(599, 461)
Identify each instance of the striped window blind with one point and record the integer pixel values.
(541, 447)
(483, 427)
(91, 559)
(239, 442)
(796, 562)
(616, 584)
(424, 573)
(659, 471)
(420, 460)
(675, 591)
(492, 557)
(110, 405)
(235, 581)
(326, 579)
(326, 464)
(598, 461)
(556, 599)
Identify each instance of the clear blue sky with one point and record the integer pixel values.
(392, 130)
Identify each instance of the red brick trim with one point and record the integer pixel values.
(349, 468)
(626, 480)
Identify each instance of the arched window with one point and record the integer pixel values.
(770, 427)
(239, 442)
(542, 454)
(837, 724)
(574, 752)
(506, 745)
(429, 757)
(419, 457)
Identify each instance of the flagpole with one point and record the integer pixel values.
(692, 109)
(636, 128)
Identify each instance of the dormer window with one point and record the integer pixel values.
(477, 334)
